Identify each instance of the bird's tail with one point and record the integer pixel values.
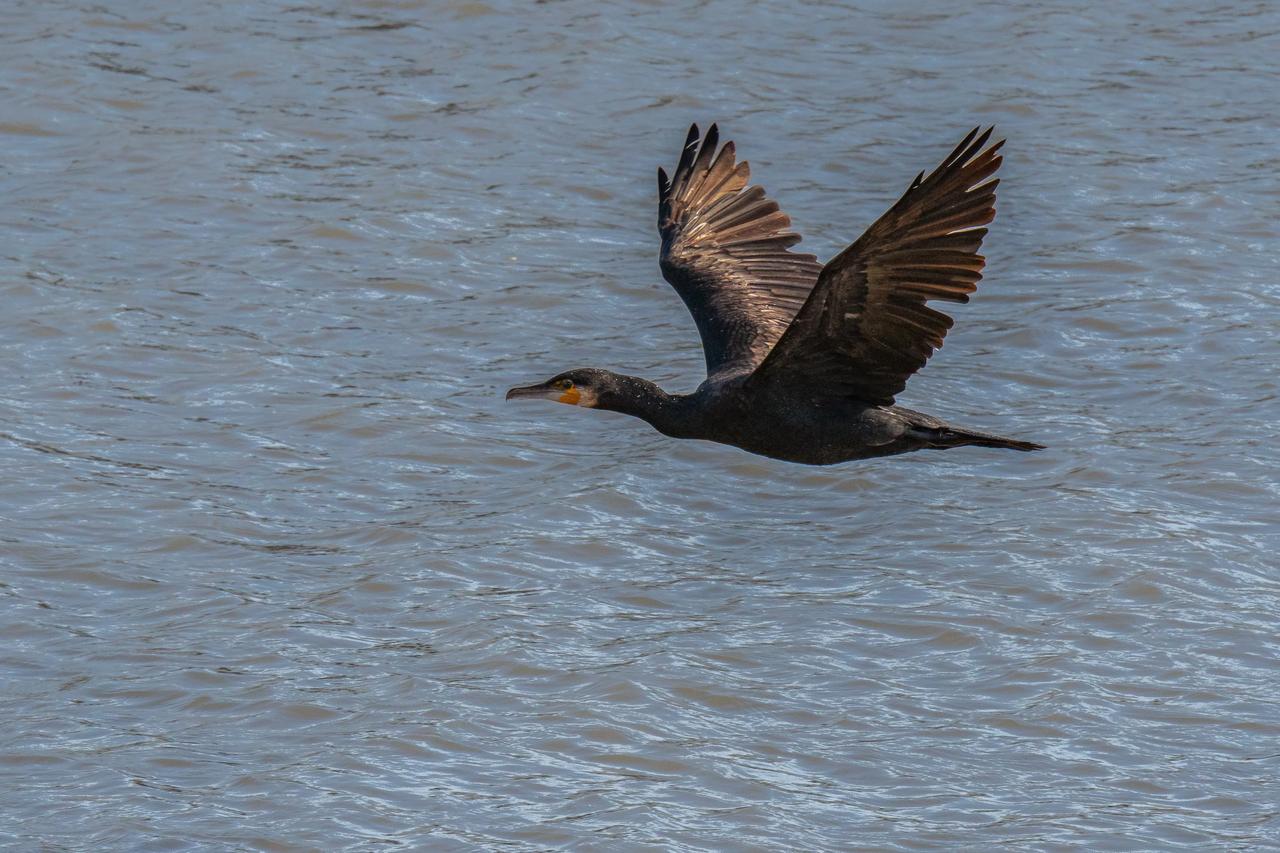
(950, 436)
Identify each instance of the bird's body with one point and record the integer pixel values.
(804, 360)
(815, 431)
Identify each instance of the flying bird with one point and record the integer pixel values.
(804, 360)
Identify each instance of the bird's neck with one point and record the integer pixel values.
(667, 413)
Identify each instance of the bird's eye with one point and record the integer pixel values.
(565, 384)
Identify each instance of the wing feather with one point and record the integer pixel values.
(725, 251)
(865, 328)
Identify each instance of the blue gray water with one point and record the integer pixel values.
(280, 570)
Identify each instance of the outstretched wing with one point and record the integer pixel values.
(724, 250)
(865, 327)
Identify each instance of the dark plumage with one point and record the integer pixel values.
(804, 360)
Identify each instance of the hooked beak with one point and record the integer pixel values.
(572, 396)
(532, 392)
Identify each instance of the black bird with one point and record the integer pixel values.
(804, 359)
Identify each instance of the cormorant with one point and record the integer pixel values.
(804, 359)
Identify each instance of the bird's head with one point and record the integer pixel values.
(582, 387)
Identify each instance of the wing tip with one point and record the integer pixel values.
(969, 147)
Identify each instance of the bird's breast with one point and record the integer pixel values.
(799, 429)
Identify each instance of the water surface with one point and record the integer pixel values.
(280, 570)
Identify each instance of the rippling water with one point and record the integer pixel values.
(282, 571)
